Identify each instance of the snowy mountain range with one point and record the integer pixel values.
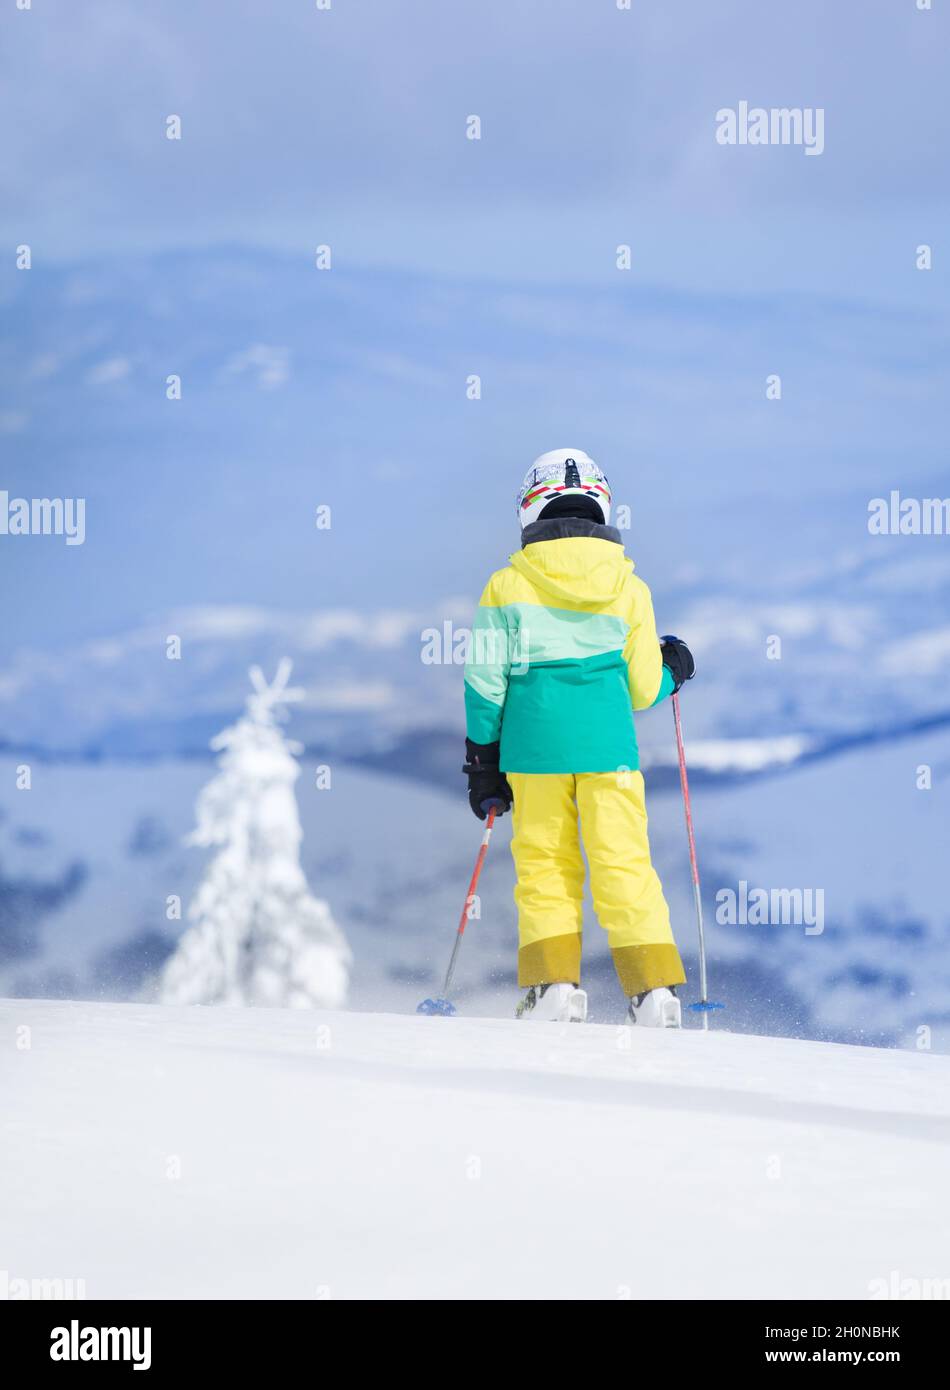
(848, 669)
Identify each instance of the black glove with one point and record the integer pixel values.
(678, 660)
(486, 781)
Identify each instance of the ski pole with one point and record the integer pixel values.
(442, 1005)
(704, 1005)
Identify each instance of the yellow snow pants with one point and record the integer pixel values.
(628, 897)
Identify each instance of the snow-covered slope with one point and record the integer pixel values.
(259, 1153)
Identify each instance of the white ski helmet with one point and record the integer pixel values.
(562, 473)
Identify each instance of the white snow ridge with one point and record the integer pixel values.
(261, 1153)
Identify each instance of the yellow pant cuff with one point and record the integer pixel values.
(552, 960)
(647, 967)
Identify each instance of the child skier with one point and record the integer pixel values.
(564, 649)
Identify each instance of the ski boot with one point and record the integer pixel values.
(554, 1004)
(656, 1008)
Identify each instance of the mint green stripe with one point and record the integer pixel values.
(482, 717)
(539, 633)
(486, 666)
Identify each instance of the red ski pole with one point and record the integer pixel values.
(442, 1005)
(704, 1005)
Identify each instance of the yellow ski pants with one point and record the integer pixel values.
(627, 894)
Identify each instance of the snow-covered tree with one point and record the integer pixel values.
(257, 935)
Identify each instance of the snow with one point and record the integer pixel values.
(926, 653)
(196, 1152)
(742, 754)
